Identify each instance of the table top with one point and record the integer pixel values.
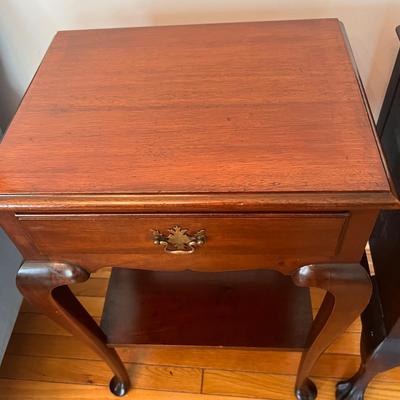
(263, 107)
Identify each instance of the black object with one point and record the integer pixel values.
(380, 339)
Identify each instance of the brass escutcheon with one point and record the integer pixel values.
(178, 240)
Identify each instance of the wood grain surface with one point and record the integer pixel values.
(249, 107)
(232, 309)
(233, 241)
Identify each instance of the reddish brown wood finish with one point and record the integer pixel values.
(348, 292)
(210, 202)
(45, 286)
(235, 309)
(234, 241)
(251, 107)
(212, 127)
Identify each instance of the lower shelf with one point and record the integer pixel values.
(243, 308)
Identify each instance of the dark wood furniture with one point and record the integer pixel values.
(380, 344)
(226, 149)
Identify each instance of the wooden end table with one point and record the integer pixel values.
(243, 151)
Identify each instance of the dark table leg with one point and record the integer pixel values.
(348, 292)
(44, 285)
(380, 339)
(384, 357)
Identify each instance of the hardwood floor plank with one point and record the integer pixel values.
(355, 327)
(95, 372)
(274, 362)
(317, 295)
(348, 343)
(280, 387)
(96, 287)
(94, 305)
(248, 384)
(70, 347)
(33, 323)
(102, 273)
(378, 391)
(49, 346)
(11, 389)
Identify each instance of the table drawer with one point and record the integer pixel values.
(232, 241)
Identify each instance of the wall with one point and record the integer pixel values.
(27, 27)
(10, 299)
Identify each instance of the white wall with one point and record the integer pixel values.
(10, 298)
(27, 27)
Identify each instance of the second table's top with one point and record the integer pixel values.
(249, 107)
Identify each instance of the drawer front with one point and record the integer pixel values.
(232, 241)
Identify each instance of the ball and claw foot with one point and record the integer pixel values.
(117, 387)
(308, 391)
(345, 390)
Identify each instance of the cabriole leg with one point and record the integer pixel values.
(44, 285)
(385, 356)
(348, 292)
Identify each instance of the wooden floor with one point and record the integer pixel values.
(44, 362)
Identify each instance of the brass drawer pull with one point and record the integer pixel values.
(179, 241)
